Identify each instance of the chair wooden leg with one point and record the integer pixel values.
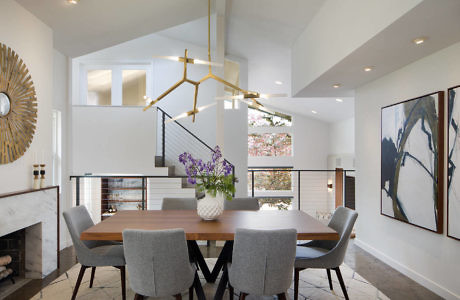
(329, 278)
(138, 297)
(296, 283)
(243, 296)
(231, 291)
(190, 293)
(93, 270)
(178, 297)
(282, 296)
(123, 281)
(77, 285)
(342, 284)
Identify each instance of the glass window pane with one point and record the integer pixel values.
(270, 144)
(134, 82)
(99, 87)
(271, 180)
(257, 118)
(281, 203)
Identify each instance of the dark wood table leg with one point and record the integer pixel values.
(198, 258)
(222, 285)
(224, 257)
(198, 288)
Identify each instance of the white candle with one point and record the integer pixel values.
(42, 160)
(34, 157)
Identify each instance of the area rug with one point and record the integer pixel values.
(313, 285)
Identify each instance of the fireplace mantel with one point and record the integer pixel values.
(25, 209)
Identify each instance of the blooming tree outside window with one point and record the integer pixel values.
(270, 136)
(270, 144)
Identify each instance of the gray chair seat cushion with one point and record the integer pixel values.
(309, 252)
(110, 255)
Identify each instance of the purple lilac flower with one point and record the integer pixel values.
(217, 154)
(183, 158)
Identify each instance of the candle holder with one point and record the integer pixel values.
(36, 174)
(42, 176)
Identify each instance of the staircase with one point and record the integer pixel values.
(172, 140)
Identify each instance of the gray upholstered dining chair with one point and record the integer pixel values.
(179, 203)
(327, 254)
(92, 254)
(242, 204)
(158, 263)
(262, 262)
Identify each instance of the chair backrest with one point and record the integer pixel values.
(242, 204)
(179, 203)
(342, 221)
(263, 261)
(157, 261)
(78, 220)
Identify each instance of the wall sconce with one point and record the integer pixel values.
(329, 185)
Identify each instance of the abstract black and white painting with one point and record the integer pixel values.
(453, 160)
(411, 161)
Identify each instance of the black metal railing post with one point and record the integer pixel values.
(252, 183)
(233, 179)
(298, 189)
(163, 139)
(77, 192)
(143, 193)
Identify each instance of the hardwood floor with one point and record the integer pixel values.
(392, 283)
(68, 259)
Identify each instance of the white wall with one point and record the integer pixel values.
(33, 42)
(118, 140)
(337, 30)
(311, 139)
(342, 137)
(427, 257)
(61, 103)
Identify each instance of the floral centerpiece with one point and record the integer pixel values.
(214, 177)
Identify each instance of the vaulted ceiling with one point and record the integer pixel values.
(97, 24)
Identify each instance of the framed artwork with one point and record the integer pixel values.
(412, 152)
(453, 160)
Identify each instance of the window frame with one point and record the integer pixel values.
(117, 80)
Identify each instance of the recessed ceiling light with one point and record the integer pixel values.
(336, 86)
(314, 111)
(339, 100)
(278, 82)
(419, 41)
(368, 69)
(73, 1)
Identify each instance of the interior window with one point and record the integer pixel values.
(99, 87)
(134, 87)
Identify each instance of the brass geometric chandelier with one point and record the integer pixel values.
(248, 97)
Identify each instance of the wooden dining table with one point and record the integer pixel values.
(222, 229)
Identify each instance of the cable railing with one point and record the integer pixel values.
(174, 139)
(317, 192)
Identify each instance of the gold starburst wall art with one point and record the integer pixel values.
(18, 106)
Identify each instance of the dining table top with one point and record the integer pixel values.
(308, 228)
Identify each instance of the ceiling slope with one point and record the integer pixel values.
(94, 25)
(391, 49)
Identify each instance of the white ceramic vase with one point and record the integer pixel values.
(210, 208)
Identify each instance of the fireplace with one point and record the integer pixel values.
(29, 233)
(14, 246)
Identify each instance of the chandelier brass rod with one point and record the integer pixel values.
(195, 103)
(209, 36)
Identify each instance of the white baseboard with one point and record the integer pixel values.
(419, 278)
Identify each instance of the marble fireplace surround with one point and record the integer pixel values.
(37, 212)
